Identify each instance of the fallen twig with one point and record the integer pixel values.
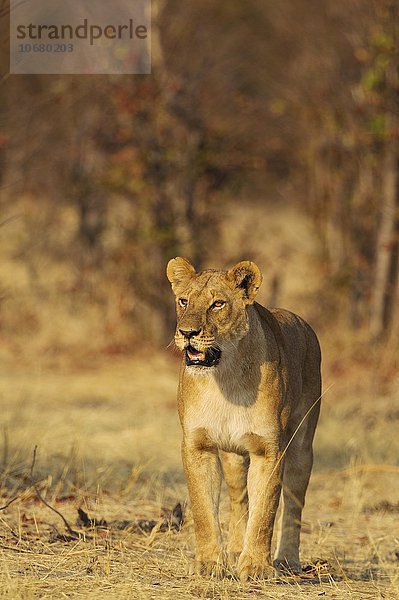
(10, 502)
(72, 532)
(88, 521)
(16, 549)
(172, 521)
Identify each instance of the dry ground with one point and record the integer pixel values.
(108, 441)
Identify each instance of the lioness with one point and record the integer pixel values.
(248, 400)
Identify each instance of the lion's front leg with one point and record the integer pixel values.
(203, 472)
(264, 486)
(235, 469)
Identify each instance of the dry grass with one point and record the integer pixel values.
(109, 441)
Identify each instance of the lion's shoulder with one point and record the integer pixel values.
(292, 332)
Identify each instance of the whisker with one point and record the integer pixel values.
(292, 438)
(298, 428)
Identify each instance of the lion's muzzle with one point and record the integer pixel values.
(198, 347)
(209, 358)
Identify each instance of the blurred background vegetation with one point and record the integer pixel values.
(267, 131)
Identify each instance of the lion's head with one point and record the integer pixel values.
(211, 308)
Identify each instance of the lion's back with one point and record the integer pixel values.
(296, 339)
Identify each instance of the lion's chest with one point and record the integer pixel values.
(226, 420)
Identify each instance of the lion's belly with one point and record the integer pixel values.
(226, 423)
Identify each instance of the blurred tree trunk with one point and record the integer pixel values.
(362, 241)
(387, 249)
(387, 246)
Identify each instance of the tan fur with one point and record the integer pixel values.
(239, 415)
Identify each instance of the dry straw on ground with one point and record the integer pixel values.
(108, 442)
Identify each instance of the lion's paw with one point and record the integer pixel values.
(288, 567)
(207, 568)
(250, 567)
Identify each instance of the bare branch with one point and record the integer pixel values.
(71, 531)
(10, 502)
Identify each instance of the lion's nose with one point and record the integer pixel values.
(189, 333)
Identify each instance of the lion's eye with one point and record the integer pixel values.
(182, 302)
(218, 304)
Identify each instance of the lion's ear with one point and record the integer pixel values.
(246, 275)
(179, 272)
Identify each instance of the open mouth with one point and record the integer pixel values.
(209, 358)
